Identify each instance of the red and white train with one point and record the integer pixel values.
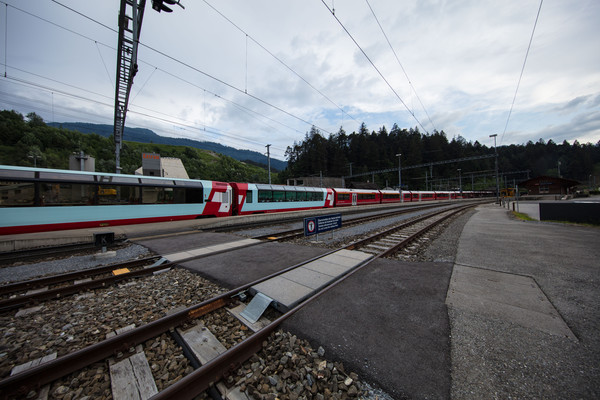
(37, 199)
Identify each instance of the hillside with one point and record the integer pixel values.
(142, 135)
(29, 142)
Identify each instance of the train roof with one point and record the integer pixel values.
(356, 190)
(286, 188)
(28, 173)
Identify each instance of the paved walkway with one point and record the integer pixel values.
(524, 307)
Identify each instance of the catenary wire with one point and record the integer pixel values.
(164, 71)
(279, 60)
(522, 70)
(202, 72)
(375, 67)
(162, 54)
(399, 63)
(216, 131)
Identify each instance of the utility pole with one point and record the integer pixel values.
(459, 181)
(399, 171)
(269, 161)
(496, 158)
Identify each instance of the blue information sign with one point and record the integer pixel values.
(315, 225)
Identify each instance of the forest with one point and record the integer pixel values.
(366, 151)
(28, 141)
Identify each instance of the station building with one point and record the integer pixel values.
(549, 185)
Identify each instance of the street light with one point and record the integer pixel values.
(497, 182)
(269, 161)
(399, 171)
(35, 157)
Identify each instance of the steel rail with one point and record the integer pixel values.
(69, 276)
(27, 254)
(293, 233)
(422, 231)
(14, 302)
(387, 232)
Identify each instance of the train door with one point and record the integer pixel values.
(221, 199)
(226, 200)
(354, 198)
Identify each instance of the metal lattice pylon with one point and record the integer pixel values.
(131, 14)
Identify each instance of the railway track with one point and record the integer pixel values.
(297, 233)
(28, 292)
(125, 345)
(10, 257)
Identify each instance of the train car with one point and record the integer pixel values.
(424, 196)
(353, 197)
(407, 196)
(443, 195)
(390, 196)
(255, 198)
(38, 199)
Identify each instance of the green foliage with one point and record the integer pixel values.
(25, 142)
(371, 151)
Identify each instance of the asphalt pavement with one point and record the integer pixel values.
(502, 345)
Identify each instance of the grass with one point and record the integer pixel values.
(523, 217)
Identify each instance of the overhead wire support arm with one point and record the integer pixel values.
(131, 14)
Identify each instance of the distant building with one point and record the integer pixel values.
(316, 181)
(82, 162)
(549, 185)
(155, 165)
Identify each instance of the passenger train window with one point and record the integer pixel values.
(157, 195)
(192, 195)
(17, 194)
(290, 196)
(114, 194)
(265, 196)
(249, 196)
(67, 194)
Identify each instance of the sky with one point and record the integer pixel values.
(251, 73)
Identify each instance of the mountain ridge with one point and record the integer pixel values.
(144, 135)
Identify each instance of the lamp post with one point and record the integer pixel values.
(459, 181)
(496, 158)
(269, 161)
(35, 157)
(399, 171)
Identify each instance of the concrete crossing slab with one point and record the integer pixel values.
(309, 278)
(290, 288)
(217, 248)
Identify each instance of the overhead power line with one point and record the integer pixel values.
(202, 72)
(375, 67)
(399, 63)
(522, 69)
(166, 119)
(279, 60)
(166, 56)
